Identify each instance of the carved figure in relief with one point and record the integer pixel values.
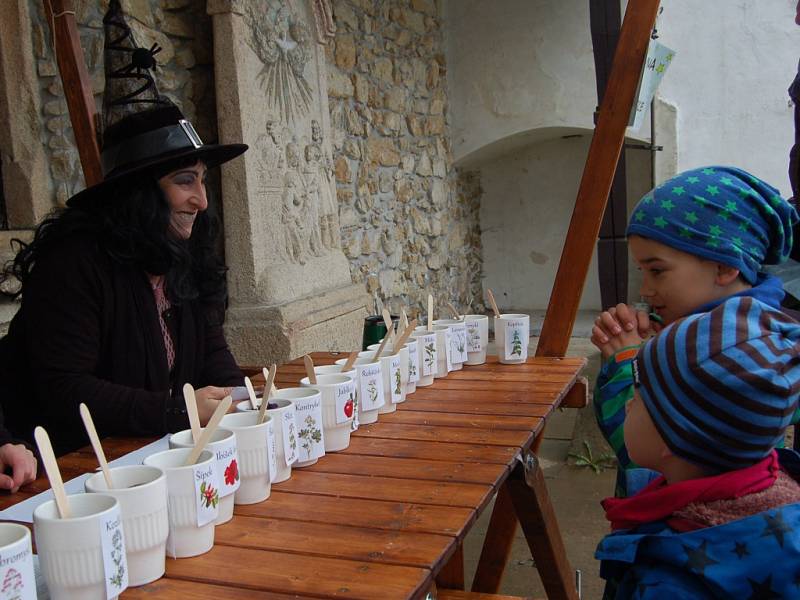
(319, 168)
(282, 43)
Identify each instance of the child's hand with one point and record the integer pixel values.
(619, 327)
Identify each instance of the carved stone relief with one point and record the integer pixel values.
(293, 159)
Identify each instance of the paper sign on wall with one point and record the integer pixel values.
(309, 429)
(658, 60)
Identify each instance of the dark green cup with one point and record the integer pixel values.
(374, 330)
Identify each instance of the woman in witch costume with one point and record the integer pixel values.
(123, 294)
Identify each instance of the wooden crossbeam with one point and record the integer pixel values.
(598, 175)
(77, 85)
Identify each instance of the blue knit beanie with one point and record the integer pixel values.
(722, 386)
(722, 214)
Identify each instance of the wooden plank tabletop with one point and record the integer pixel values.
(381, 518)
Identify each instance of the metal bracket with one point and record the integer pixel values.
(649, 147)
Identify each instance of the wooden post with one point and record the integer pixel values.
(598, 174)
(77, 86)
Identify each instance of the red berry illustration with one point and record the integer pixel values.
(348, 408)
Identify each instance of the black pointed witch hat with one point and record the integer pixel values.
(142, 130)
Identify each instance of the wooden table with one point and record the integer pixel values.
(386, 518)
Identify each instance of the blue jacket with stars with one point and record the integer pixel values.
(753, 557)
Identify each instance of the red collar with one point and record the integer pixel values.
(659, 500)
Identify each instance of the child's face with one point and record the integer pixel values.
(674, 282)
(644, 443)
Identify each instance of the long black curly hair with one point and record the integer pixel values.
(130, 224)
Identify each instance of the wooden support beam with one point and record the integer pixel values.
(77, 86)
(598, 174)
(496, 545)
(578, 395)
(452, 574)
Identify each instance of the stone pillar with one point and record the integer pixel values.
(289, 281)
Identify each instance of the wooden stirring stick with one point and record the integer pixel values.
(95, 440)
(351, 360)
(262, 412)
(403, 337)
(209, 430)
(266, 375)
(53, 474)
(493, 303)
(403, 318)
(387, 319)
(430, 312)
(251, 392)
(191, 410)
(379, 351)
(312, 377)
(453, 310)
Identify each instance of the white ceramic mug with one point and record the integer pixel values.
(79, 556)
(285, 436)
(223, 446)
(252, 447)
(477, 338)
(16, 562)
(369, 380)
(427, 358)
(512, 334)
(189, 534)
(443, 366)
(300, 395)
(141, 491)
(338, 403)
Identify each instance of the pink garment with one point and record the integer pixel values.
(162, 305)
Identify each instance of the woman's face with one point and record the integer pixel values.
(185, 191)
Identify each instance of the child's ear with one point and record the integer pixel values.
(726, 274)
(665, 451)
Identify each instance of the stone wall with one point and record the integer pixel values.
(409, 226)
(185, 74)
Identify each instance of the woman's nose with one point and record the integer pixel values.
(200, 197)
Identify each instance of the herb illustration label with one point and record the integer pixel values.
(459, 343)
(413, 362)
(448, 348)
(371, 382)
(309, 424)
(474, 336)
(516, 339)
(289, 431)
(395, 379)
(272, 451)
(345, 401)
(207, 492)
(17, 579)
(112, 544)
(429, 357)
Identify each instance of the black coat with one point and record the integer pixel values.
(88, 331)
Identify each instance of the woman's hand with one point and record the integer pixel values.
(208, 398)
(22, 463)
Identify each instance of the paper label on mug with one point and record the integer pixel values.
(112, 543)
(206, 492)
(17, 579)
(309, 426)
(448, 349)
(371, 383)
(474, 336)
(272, 451)
(413, 363)
(228, 464)
(395, 379)
(289, 437)
(429, 357)
(458, 343)
(354, 423)
(345, 401)
(516, 343)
